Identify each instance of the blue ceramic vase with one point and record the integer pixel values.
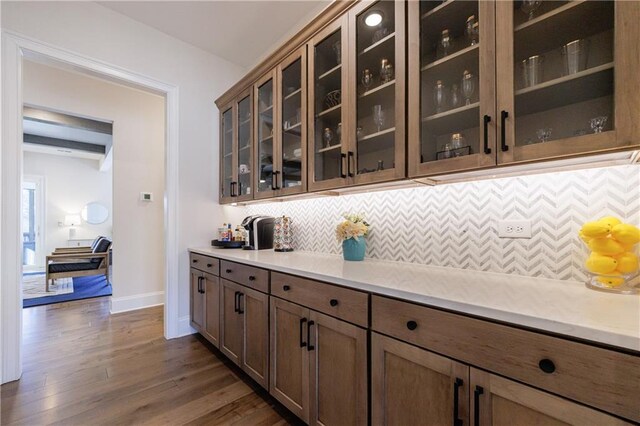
(353, 249)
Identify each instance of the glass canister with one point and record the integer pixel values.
(282, 234)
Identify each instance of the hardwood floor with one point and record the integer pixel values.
(83, 366)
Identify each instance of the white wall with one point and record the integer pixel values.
(138, 165)
(89, 29)
(69, 184)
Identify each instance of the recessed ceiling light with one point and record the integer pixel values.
(373, 19)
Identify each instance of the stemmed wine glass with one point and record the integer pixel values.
(367, 79)
(468, 86)
(378, 116)
(530, 6)
(597, 123)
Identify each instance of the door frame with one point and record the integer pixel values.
(15, 48)
(41, 235)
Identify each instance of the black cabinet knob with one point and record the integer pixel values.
(412, 325)
(252, 278)
(195, 260)
(209, 265)
(547, 366)
(333, 302)
(228, 271)
(286, 288)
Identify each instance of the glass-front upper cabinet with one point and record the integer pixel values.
(292, 131)
(451, 86)
(227, 179)
(377, 132)
(568, 77)
(265, 176)
(244, 147)
(328, 107)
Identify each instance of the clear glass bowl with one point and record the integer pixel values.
(621, 284)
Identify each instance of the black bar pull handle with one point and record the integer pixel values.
(487, 120)
(349, 161)
(235, 302)
(303, 321)
(202, 286)
(240, 299)
(275, 178)
(273, 181)
(199, 284)
(310, 347)
(231, 185)
(239, 188)
(476, 404)
(457, 383)
(503, 132)
(343, 157)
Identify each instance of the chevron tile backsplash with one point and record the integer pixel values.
(456, 225)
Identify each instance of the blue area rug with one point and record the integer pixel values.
(83, 288)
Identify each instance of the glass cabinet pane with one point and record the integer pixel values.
(265, 138)
(291, 122)
(227, 152)
(244, 147)
(327, 107)
(563, 69)
(449, 79)
(375, 70)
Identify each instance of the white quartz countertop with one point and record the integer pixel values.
(563, 307)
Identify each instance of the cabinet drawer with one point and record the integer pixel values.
(349, 305)
(255, 278)
(205, 263)
(603, 378)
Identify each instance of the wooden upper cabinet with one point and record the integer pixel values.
(567, 78)
(328, 106)
(236, 160)
(451, 50)
(227, 154)
(496, 401)
(291, 131)
(376, 85)
(266, 173)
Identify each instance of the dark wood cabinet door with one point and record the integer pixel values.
(231, 321)
(411, 386)
(338, 372)
(211, 287)
(289, 382)
(498, 401)
(197, 301)
(254, 307)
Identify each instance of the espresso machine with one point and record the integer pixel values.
(259, 231)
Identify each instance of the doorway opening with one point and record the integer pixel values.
(33, 214)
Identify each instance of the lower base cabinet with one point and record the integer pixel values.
(244, 336)
(318, 365)
(205, 305)
(412, 386)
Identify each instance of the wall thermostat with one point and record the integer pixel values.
(146, 196)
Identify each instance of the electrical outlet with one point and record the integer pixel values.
(514, 229)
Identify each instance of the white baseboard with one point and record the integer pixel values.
(137, 301)
(184, 326)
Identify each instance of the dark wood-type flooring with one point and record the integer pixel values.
(83, 366)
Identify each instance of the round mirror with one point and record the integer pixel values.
(95, 213)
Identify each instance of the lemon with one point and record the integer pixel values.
(595, 229)
(599, 264)
(605, 246)
(626, 234)
(610, 220)
(610, 281)
(627, 263)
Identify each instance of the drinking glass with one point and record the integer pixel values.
(532, 70)
(468, 86)
(440, 96)
(367, 79)
(445, 44)
(574, 55)
(378, 116)
(597, 123)
(456, 100)
(327, 137)
(386, 71)
(530, 6)
(472, 30)
(543, 134)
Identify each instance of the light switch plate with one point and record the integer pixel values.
(146, 196)
(514, 229)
